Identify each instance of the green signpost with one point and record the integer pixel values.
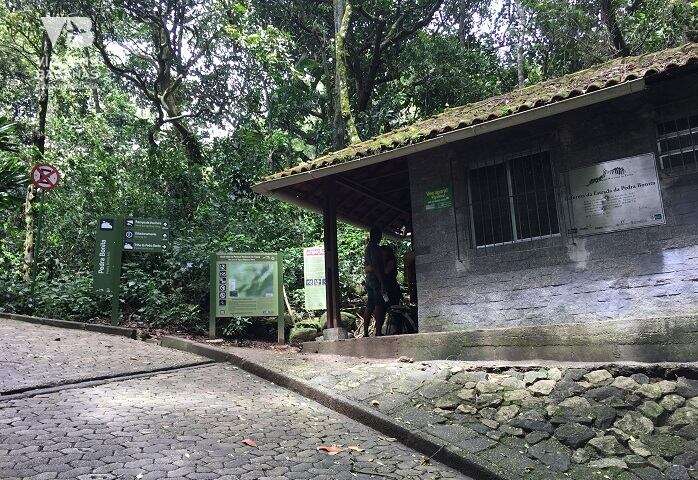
(246, 285)
(113, 236)
(146, 235)
(107, 270)
(438, 199)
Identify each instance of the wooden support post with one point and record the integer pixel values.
(329, 217)
(213, 295)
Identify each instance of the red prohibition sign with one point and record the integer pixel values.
(45, 176)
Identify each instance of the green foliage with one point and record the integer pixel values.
(348, 321)
(302, 334)
(258, 97)
(313, 323)
(13, 181)
(236, 327)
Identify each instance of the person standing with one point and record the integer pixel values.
(390, 283)
(410, 274)
(374, 267)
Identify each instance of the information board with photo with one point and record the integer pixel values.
(247, 284)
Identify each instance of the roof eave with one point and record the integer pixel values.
(515, 119)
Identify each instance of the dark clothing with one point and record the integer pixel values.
(375, 298)
(411, 275)
(373, 258)
(392, 287)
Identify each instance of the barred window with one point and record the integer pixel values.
(678, 145)
(513, 201)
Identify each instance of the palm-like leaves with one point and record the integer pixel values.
(13, 173)
(7, 138)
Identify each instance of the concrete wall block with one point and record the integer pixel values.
(640, 273)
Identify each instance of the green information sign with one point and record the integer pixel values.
(107, 254)
(246, 285)
(115, 235)
(107, 263)
(438, 199)
(314, 276)
(146, 235)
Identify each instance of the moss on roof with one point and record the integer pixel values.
(608, 74)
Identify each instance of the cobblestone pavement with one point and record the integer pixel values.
(37, 355)
(583, 422)
(192, 424)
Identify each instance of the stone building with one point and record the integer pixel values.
(554, 212)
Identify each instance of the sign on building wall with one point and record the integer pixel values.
(616, 195)
(314, 276)
(438, 199)
(246, 284)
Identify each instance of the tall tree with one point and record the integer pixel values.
(34, 46)
(345, 126)
(176, 56)
(381, 31)
(609, 18)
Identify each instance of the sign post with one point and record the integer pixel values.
(115, 235)
(246, 285)
(107, 271)
(44, 177)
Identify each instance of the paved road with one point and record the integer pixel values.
(190, 424)
(37, 355)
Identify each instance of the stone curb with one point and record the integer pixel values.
(92, 327)
(426, 444)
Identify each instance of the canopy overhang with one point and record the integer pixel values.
(375, 190)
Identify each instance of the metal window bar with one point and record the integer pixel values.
(677, 144)
(523, 201)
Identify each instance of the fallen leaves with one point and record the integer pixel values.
(335, 449)
(330, 449)
(249, 442)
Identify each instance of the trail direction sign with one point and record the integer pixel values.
(146, 235)
(45, 176)
(107, 263)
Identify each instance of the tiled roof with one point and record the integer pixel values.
(611, 73)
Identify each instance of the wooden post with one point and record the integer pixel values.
(280, 323)
(213, 294)
(329, 217)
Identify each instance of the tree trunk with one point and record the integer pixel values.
(344, 125)
(192, 147)
(520, 44)
(609, 18)
(93, 82)
(38, 144)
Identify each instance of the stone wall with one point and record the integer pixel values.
(634, 274)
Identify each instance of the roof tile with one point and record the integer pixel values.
(611, 73)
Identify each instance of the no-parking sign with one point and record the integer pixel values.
(45, 176)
